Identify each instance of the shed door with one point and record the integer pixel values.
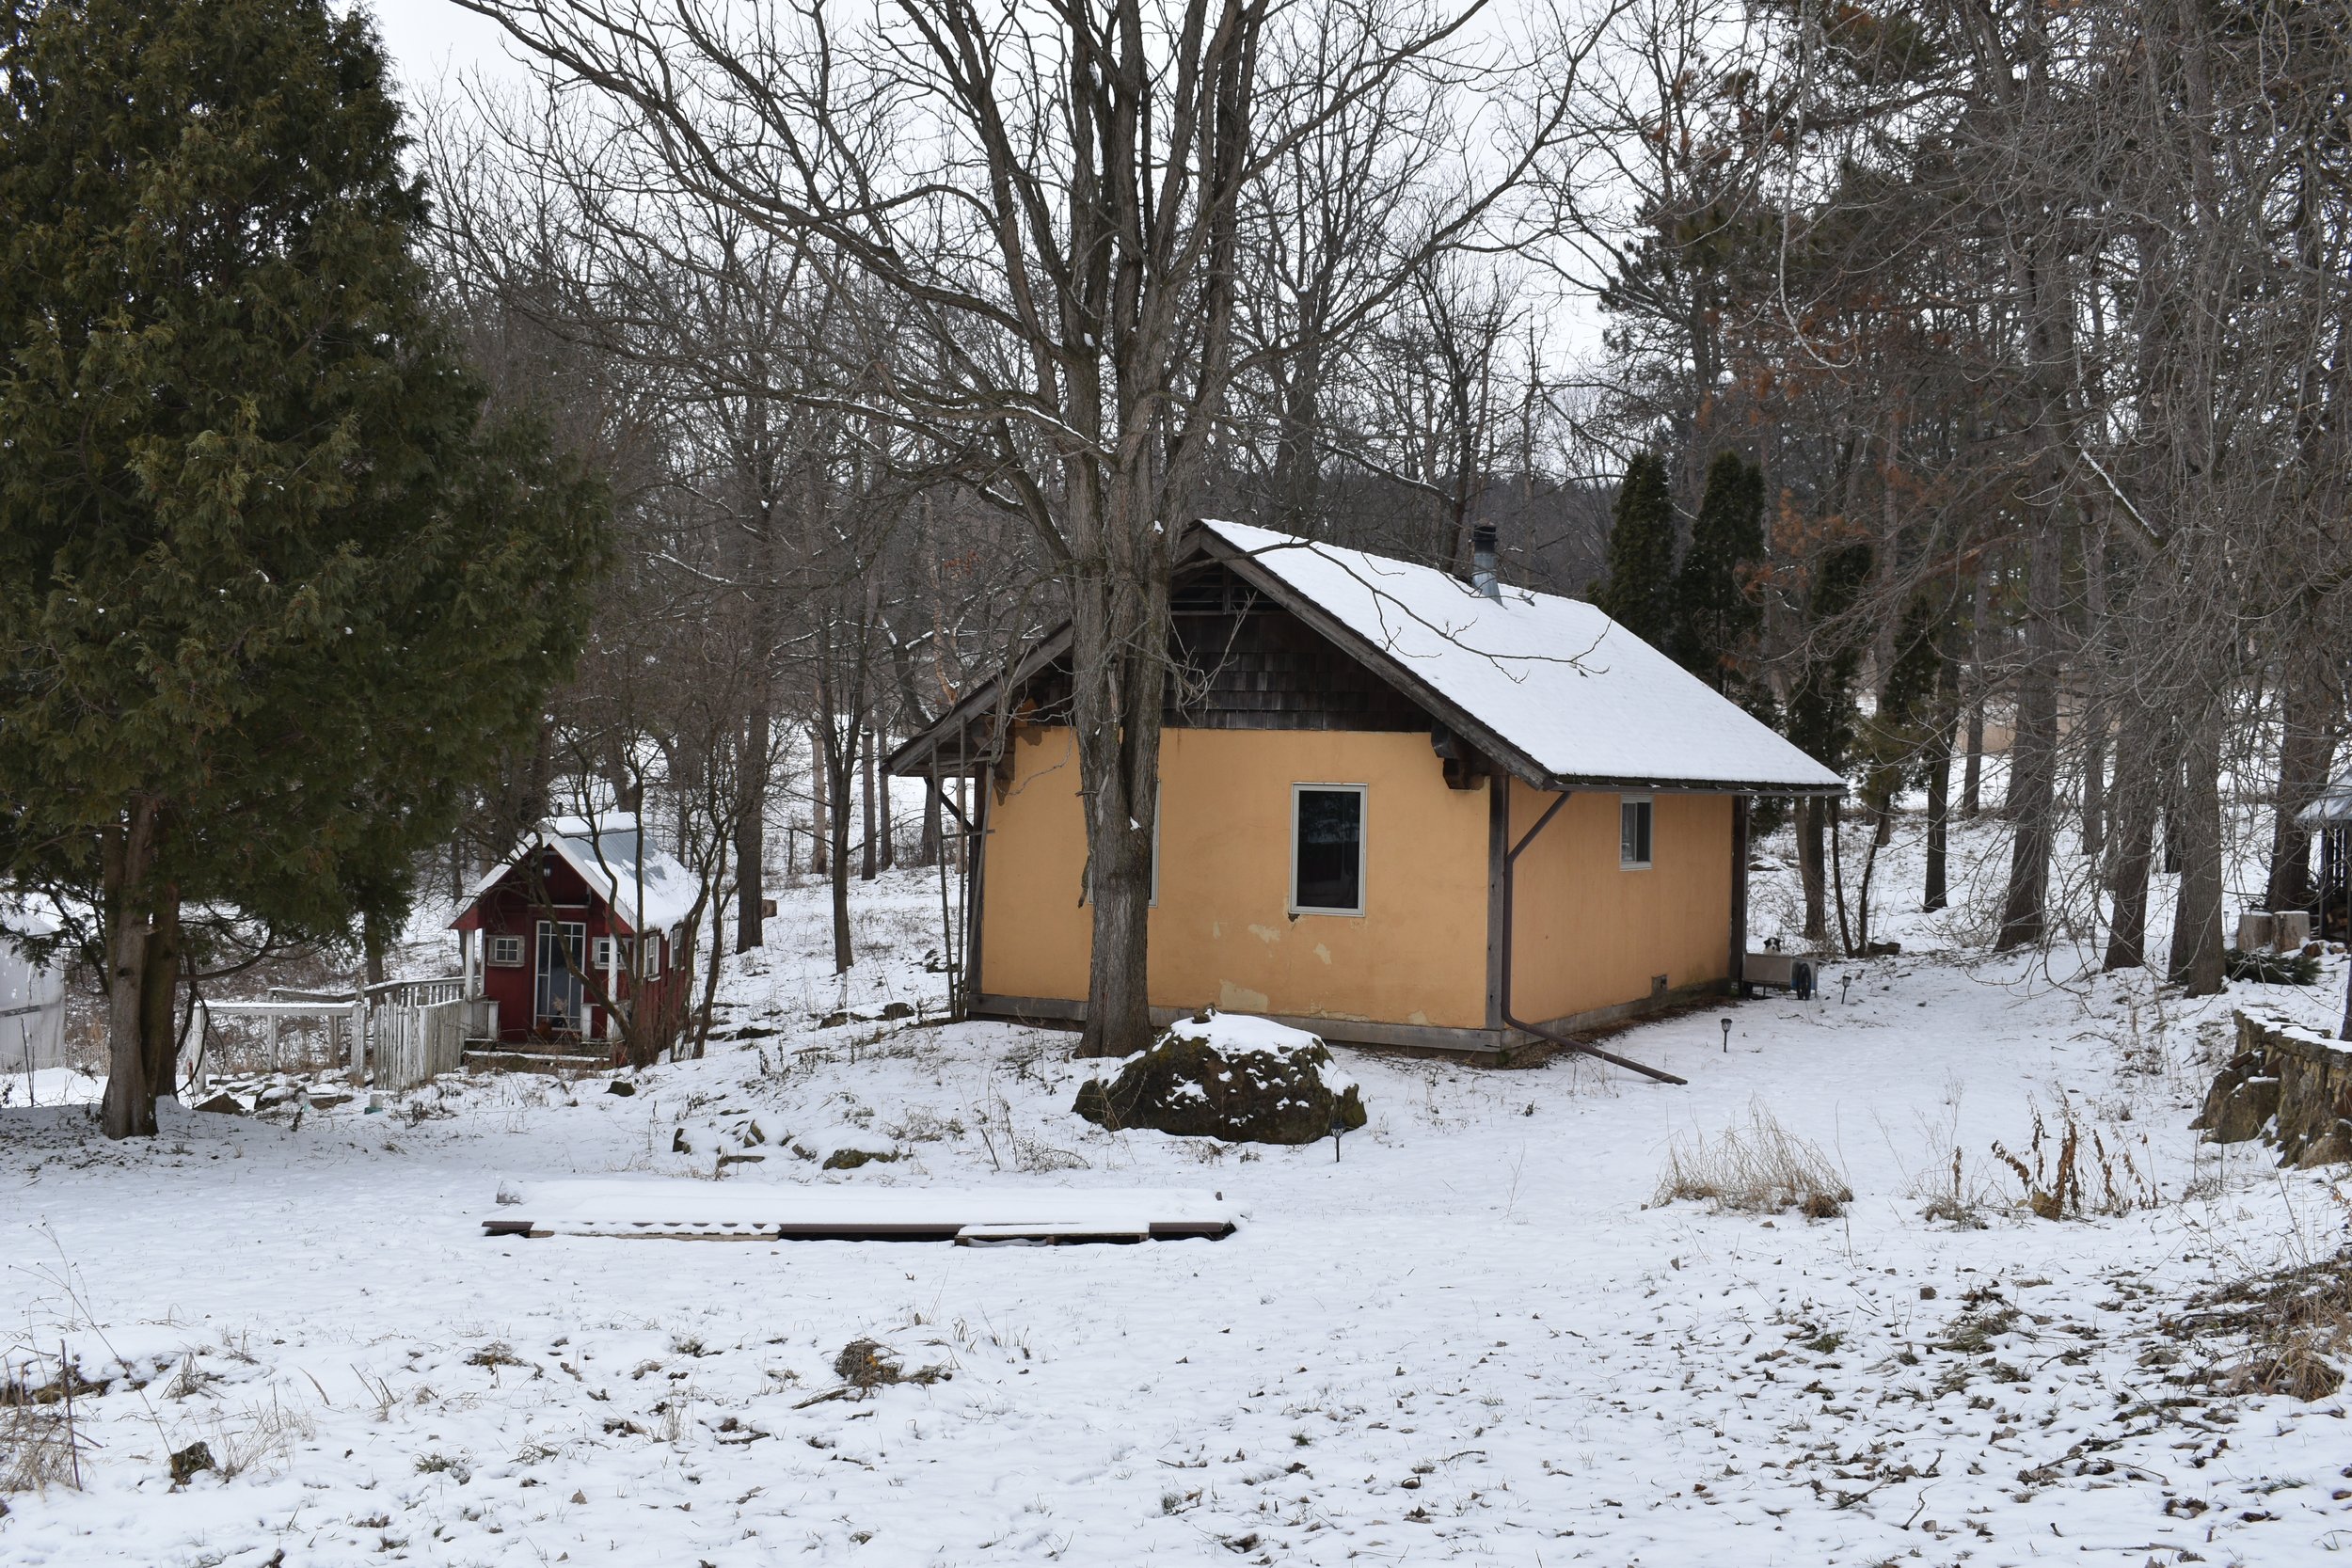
(557, 1004)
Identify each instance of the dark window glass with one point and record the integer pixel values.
(1633, 821)
(557, 1005)
(1330, 849)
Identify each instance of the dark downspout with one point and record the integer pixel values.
(1510, 941)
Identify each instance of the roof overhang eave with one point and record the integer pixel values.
(908, 760)
(1694, 787)
(1440, 708)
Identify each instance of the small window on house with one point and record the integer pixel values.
(1327, 848)
(653, 957)
(1634, 827)
(507, 952)
(605, 958)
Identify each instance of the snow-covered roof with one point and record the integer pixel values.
(2332, 809)
(606, 853)
(24, 916)
(1554, 680)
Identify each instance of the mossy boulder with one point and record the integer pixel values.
(851, 1159)
(1243, 1080)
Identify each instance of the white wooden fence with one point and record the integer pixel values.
(412, 1029)
(414, 1043)
(345, 1018)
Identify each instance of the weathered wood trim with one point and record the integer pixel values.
(1497, 923)
(1601, 1018)
(1387, 665)
(908, 761)
(1206, 544)
(1739, 891)
(977, 862)
(1337, 1031)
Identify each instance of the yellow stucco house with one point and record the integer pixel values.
(1395, 809)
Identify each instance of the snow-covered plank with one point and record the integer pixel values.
(655, 1207)
(1052, 1233)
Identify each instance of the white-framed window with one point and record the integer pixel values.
(1634, 817)
(1327, 848)
(506, 952)
(605, 960)
(559, 1002)
(651, 952)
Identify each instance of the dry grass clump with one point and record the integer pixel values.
(2056, 1171)
(1944, 1194)
(865, 1365)
(1760, 1167)
(37, 1449)
(40, 1445)
(257, 1437)
(2297, 1324)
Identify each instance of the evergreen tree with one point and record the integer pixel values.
(1821, 699)
(1821, 717)
(1715, 621)
(1898, 737)
(272, 589)
(1638, 594)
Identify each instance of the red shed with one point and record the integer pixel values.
(584, 916)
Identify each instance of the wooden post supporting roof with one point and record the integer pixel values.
(1498, 925)
(1739, 891)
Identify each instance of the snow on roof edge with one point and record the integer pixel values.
(669, 894)
(1611, 710)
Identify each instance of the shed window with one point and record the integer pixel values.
(605, 958)
(652, 955)
(1327, 848)
(507, 952)
(1633, 828)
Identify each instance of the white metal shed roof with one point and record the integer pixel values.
(606, 854)
(1556, 679)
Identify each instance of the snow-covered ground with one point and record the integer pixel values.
(1473, 1336)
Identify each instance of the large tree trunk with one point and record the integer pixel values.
(751, 829)
(1119, 631)
(2032, 800)
(1812, 865)
(2094, 780)
(819, 826)
(1972, 765)
(372, 939)
(842, 765)
(2138, 786)
(159, 990)
(885, 852)
(867, 848)
(1972, 769)
(2196, 827)
(1935, 895)
(127, 852)
(2309, 706)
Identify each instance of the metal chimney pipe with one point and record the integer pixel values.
(1483, 561)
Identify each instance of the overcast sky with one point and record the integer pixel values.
(431, 39)
(436, 44)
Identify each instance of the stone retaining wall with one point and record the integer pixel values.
(2287, 1085)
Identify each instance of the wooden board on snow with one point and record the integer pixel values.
(656, 1207)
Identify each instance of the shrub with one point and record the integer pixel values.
(1759, 1169)
(2056, 1184)
(2270, 969)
